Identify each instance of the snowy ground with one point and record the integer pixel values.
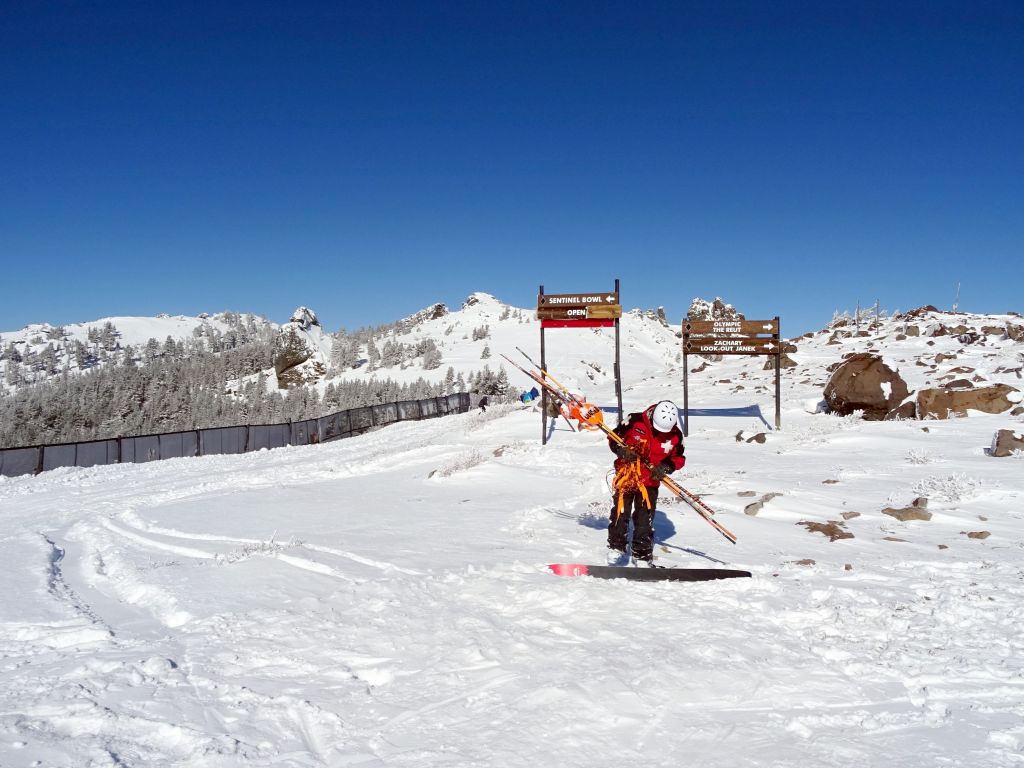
(383, 600)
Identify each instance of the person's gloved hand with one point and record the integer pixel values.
(626, 453)
(661, 469)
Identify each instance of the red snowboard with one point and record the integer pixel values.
(645, 574)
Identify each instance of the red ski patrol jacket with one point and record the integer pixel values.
(656, 447)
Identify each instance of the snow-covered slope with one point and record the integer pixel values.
(384, 601)
(81, 346)
(586, 356)
(132, 330)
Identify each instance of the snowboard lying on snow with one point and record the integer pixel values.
(645, 574)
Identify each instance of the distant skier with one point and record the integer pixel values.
(483, 404)
(652, 436)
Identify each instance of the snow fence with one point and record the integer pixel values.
(219, 440)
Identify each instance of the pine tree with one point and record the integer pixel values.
(431, 356)
(372, 355)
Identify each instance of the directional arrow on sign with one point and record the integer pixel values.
(610, 298)
(732, 345)
(725, 327)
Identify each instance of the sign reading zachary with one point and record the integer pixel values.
(576, 299)
(723, 327)
(731, 346)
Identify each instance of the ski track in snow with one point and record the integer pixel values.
(335, 605)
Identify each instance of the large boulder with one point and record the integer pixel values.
(1005, 442)
(865, 383)
(785, 361)
(947, 401)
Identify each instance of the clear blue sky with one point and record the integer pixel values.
(368, 159)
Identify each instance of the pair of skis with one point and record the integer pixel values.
(563, 395)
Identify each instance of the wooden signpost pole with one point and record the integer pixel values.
(618, 367)
(544, 391)
(778, 374)
(686, 390)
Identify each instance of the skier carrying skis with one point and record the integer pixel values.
(652, 438)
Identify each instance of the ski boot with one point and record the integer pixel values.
(617, 557)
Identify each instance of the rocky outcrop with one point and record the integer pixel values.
(833, 529)
(919, 312)
(305, 318)
(757, 506)
(1005, 442)
(701, 309)
(944, 402)
(785, 361)
(298, 355)
(918, 510)
(865, 383)
(433, 312)
(905, 410)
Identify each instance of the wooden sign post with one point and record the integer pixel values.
(731, 337)
(578, 310)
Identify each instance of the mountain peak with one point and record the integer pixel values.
(479, 297)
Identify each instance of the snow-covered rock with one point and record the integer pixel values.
(865, 383)
(301, 350)
(943, 402)
(1006, 442)
(701, 309)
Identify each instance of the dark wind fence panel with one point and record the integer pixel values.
(59, 456)
(335, 426)
(224, 440)
(409, 410)
(269, 436)
(362, 419)
(20, 461)
(137, 449)
(96, 452)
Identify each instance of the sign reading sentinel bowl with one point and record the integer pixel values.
(565, 310)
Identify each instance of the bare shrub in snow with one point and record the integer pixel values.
(256, 548)
(493, 412)
(459, 464)
(915, 456)
(951, 488)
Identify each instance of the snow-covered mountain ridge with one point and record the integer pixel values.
(40, 351)
(436, 343)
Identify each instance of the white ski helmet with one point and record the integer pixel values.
(664, 416)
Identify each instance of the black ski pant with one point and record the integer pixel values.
(634, 508)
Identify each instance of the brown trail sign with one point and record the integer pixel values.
(711, 345)
(578, 310)
(731, 337)
(576, 299)
(587, 312)
(722, 327)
